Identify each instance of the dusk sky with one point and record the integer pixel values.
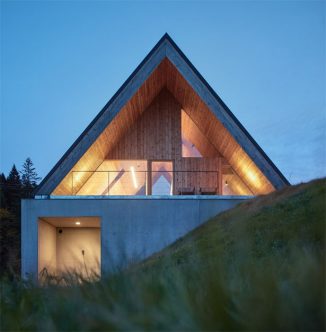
(62, 61)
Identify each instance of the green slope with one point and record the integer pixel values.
(274, 225)
(259, 266)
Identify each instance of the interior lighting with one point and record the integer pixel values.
(133, 174)
(77, 222)
(252, 176)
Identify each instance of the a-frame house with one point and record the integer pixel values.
(163, 155)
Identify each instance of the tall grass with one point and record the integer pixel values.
(260, 266)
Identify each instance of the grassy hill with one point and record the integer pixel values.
(259, 266)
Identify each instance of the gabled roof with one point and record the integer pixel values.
(168, 55)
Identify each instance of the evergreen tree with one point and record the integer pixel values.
(29, 178)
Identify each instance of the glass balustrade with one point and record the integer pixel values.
(134, 183)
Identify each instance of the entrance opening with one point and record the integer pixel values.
(69, 245)
(162, 177)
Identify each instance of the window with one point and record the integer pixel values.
(162, 177)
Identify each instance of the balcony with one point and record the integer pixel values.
(133, 182)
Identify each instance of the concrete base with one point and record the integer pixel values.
(132, 228)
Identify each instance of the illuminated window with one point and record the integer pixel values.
(189, 149)
(162, 178)
(115, 177)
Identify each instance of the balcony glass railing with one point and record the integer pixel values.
(157, 182)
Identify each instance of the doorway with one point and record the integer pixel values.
(69, 245)
(161, 177)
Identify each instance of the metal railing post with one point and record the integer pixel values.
(108, 183)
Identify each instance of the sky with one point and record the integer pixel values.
(61, 61)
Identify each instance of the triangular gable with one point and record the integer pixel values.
(165, 66)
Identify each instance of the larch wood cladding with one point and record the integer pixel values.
(157, 133)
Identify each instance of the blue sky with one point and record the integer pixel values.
(62, 61)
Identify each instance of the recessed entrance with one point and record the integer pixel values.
(69, 245)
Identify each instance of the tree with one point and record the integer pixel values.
(29, 177)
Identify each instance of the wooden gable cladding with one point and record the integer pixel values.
(156, 134)
(148, 126)
(216, 133)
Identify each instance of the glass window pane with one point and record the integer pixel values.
(162, 178)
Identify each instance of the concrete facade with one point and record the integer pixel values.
(132, 228)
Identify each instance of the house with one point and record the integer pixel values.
(164, 155)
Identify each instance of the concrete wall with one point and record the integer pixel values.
(47, 257)
(132, 228)
(70, 243)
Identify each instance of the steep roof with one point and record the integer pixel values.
(164, 66)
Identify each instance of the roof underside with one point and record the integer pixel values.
(165, 68)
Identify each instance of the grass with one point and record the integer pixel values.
(259, 266)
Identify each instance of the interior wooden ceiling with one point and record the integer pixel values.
(167, 76)
(193, 134)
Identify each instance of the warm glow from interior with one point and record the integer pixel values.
(77, 222)
(252, 176)
(76, 178)
(254, 179)
(134, 176)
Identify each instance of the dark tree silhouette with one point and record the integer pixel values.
(29, 178)
(3, 194)
(12, 190)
